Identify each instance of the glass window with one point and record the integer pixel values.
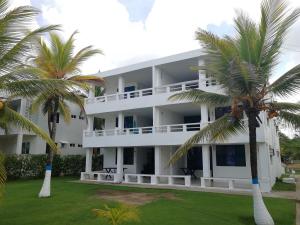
(25, 147)
(221, 111)
(194, 158)
(128, 156)
(230, 155)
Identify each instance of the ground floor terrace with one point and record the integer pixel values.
(204, 166)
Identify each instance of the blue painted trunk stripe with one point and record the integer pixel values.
(254, 181)
(48, 167)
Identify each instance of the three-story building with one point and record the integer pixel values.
(143, 128)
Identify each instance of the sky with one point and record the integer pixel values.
(131, 31)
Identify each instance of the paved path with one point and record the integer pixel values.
(298, 200)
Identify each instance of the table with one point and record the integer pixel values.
(111, 170)
(189, 171)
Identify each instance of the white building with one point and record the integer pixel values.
(68, 136)
(143, 129)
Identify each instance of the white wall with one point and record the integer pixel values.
(169, 117)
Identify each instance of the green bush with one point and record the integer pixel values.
(33, 166)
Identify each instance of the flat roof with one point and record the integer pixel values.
(154, 62)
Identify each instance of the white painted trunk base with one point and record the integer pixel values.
(261, 214)
(45, 191)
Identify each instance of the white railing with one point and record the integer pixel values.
(98, 176)
(145, 130)
(228, 183)
(182, 86)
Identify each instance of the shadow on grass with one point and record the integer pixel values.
(247, 220)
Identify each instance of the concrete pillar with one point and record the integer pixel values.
(121, 120)
(264, 173)
(206, 161)
(202, 77)
(156, 77)
(88, 160)
(121, 84)
(204, 115)
(90, 125)
(157, 160)
(92, 91)
(156, 116)
(19, 144)
(119, 175)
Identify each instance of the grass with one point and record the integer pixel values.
(72, 203)
(280, 186)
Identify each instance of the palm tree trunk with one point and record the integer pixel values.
(261, 214)
(46, 188)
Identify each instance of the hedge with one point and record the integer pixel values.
(33, 166)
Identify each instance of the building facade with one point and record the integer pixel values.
(143, 128)
(68, 136)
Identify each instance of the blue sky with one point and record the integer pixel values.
(129, 31)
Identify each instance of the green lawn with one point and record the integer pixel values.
(71, 204)
(281, 186)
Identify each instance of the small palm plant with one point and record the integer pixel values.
(118, 215)
(243, 65)
(58, 61)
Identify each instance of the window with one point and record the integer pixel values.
(63, 145)
(72, 145)
(230, 155)
(79, 145)
(57, 118)
(221, 111)
(25, 147)
(73, 116)
(81, 117)
(194, 158)
(128, 156)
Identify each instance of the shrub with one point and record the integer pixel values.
(33, 166)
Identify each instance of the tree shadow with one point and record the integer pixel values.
(247, 220)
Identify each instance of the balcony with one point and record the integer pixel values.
(137, 99)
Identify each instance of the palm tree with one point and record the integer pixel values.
(118, 215)
(243, 65)
(58, 61)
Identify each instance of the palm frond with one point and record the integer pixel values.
(290, 119)
(202, 97)
(88, 79)
(288, 84)
(14, 118)
(285, 106)
(218, 130)
(65, 111)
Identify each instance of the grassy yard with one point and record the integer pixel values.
(71, 204)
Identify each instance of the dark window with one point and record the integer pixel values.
(72, 145)
(194, 158)
(128, 122)
(117, 122)
(79, 145)
(81, 117)
(63, 145)
(25, 147)
(73, 116)
(128, 156)
(57, 118)
(230, 155)
(221, 111)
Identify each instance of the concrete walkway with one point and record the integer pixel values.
(298, 200)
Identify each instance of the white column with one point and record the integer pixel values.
(91, 91)
(206, 161)
(156, 77)
(264, 173)
(121, 120)
(121, 84)
(204, 115)
(19, 144)
(88, 160)
(156, 116)
(202, 77)
(119, 175)
(157, 160)
(90, 125)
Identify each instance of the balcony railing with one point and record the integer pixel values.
(145, 92)
(145, 130)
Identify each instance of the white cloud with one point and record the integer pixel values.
(168, 29)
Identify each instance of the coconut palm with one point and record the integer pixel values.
(118, 215)
(58, 61)
(242, 65)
